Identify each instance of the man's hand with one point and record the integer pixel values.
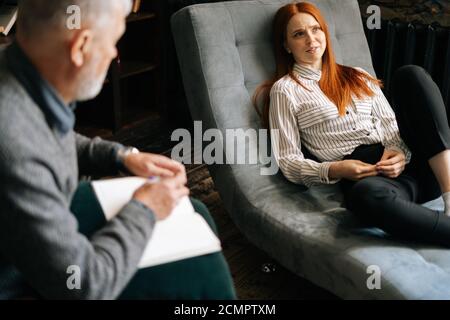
(351, 170)
(392, 163)
(148, 165)
(162, 197)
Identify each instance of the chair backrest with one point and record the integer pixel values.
(225, 52)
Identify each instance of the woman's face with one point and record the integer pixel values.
(306, 40)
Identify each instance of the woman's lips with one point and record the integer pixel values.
(313, 50)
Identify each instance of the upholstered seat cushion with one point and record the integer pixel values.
(225, 51)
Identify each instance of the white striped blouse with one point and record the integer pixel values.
(312, 119)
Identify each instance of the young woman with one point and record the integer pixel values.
(335, 125)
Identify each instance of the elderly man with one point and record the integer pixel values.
(47, 68)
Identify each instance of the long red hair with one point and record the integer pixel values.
(338, 82)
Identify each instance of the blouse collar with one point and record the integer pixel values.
(306, 72)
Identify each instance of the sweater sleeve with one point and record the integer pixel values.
(39, 236)
(286, 145)
(97, 156)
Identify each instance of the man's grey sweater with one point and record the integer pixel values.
(39, 240)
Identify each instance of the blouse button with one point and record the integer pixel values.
(347, 112)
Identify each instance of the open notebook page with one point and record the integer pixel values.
(184, 234)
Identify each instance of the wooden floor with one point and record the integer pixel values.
(247, 263)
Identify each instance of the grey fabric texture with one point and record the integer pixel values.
(225, 51)
(39, 238)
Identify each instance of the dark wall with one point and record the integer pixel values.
(176, 108)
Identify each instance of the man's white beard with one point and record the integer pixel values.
(90, 88)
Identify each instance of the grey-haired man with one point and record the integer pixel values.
(48, 67)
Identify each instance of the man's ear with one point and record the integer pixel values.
(80, 46)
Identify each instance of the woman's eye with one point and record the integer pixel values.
(298, 34)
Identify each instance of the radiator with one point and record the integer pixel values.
(399, 43)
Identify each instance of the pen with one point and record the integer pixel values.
(153, 179)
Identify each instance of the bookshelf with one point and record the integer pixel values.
(132, 90)
(5, 40)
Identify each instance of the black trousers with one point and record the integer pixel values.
(394, 204)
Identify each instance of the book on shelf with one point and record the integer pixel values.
(184, 234)
(136, 6)
(8, 16)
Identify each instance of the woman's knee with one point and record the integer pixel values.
(407, 74)
(408, 79)
(370, 193)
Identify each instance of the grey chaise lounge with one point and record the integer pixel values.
(224, 51)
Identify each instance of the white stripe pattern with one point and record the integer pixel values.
(312, 119)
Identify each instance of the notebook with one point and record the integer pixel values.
(184, 234)
(8, 16)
